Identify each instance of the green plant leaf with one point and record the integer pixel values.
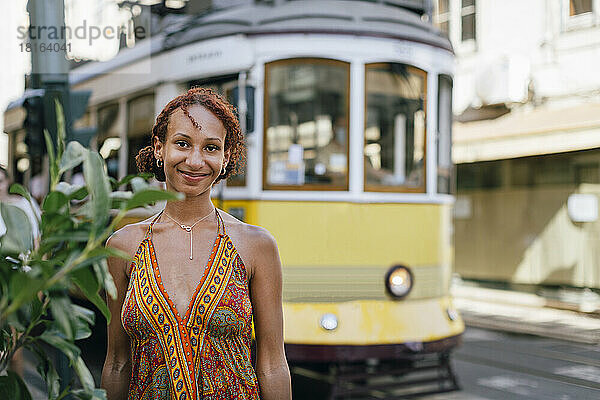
(138, 183)
(73, 192)
(85, 376)
(54, 201)
(126, 180)
(83, 314)
(61, 129)
(74, 155)
(96, 394)
(13, 387)
(82, 321)
(98, 186)
(46, 370)
(14, 321)
(18, 237)
(79, 194)
(17, 188)
(23, 288)
(87, 281)
(110, 252)
(151, 195)
(54, 176)
(101, 270)
(61, 312)
(54, 339)
(82, 330)
(98, 254)
(74, 236)
(53, 222)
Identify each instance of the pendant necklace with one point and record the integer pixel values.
(188, 228)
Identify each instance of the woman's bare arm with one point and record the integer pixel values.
(271, 366)
(117, 366)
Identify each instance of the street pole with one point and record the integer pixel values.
(49, 64)
(50, 71)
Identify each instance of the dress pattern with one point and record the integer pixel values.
(205, 354)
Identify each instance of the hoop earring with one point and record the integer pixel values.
(159, 163)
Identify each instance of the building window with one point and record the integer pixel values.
(578, 7)
(306, 124)
(441, 16)
(394, 150)
(468, 20)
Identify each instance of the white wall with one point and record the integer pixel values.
(536, 41)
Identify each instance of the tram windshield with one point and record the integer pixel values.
(306, 124)
(394, 150)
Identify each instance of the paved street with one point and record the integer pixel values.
(493, 365)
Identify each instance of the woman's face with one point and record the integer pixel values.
(193, 158)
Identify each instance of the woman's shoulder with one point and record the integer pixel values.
(255, 244)
(253, 233)
(129, 236)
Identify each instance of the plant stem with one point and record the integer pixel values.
(20, 340)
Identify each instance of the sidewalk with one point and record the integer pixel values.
(575, 318)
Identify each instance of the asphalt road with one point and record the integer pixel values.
(499, 366)
(492, 365)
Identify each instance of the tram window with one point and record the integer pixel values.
(445, 181)
(394, 150)
(140, 113)
(306, 124)
(109, 141)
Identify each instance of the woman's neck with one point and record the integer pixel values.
(190, 209)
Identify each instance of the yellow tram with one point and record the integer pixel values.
(346, 106)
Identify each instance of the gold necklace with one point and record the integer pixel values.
(188, 228)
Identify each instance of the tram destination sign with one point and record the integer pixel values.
(207, 57)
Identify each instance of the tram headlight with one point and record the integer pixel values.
(329, 322)
(399, 281)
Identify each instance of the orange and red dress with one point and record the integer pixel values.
(205, 354)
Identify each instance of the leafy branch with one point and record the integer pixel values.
(37, 281)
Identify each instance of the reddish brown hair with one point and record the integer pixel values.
(215, 103)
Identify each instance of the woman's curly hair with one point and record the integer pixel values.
(215, 103)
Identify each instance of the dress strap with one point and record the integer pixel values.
(149, 230)
(220, 224)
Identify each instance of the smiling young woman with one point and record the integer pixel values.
(186, 323)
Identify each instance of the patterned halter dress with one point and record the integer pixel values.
(204, 355)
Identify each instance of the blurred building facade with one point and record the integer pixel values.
(526, 139)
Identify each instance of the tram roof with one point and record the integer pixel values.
(350, 17)
(311, 16)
